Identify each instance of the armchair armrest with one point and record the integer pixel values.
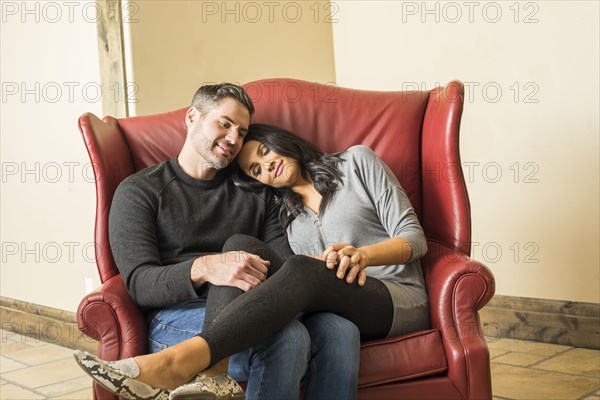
(458, 287)
(111, 317)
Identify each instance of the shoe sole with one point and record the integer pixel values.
(207, 396)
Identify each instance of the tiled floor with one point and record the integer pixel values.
(520, 370)
(531, 370)
(31, 369)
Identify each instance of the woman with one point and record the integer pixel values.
(345, 210)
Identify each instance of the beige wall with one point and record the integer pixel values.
(47, 214)
(51, 52)
(540, 133)
(49, 74)
(177, 46)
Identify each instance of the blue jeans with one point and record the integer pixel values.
(323, 346)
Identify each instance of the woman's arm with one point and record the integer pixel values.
(353, 261)
(407, 241)
(392, 251)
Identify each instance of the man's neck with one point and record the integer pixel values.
(195, 166)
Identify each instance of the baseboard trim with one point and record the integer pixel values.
(550, 321)
(37, 323)
(521, 318)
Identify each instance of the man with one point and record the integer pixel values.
(167, 227)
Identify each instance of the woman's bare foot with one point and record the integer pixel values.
(174, 366)
(219, 369)
(172, 373)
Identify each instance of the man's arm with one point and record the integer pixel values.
(240, 269)
(134, 244)
(152, 284)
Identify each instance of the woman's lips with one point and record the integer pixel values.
(279, 169)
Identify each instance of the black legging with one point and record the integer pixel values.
(300, 284)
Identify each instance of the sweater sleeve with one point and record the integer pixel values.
(391, 202)
(134, 244)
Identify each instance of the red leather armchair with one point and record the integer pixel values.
(416, 134)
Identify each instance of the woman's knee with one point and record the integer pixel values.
(241, 242)
(304, 266)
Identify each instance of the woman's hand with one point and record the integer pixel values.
(351, 262)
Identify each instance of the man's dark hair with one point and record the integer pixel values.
(209, 96)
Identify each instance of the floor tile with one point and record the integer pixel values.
(14, 337)
(9, 347)
(31, 341)
(575, 361)
(13, 392)
(7, 336)
(66, 387)
(80, 395)
(45, 374)
(519, 359)
(555, 371)
(7, 365)
(497, 352)
(524, 346)
(527, 384)
(40, 355)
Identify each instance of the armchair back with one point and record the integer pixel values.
(403, 128)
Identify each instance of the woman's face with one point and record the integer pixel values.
(268, 167)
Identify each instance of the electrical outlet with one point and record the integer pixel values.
(88, 285)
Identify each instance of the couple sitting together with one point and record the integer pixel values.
(255, 253)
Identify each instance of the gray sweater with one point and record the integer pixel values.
(369, 207)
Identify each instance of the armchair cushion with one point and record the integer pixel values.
(416, 355)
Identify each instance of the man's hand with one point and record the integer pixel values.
(351, 262)
(235, 268)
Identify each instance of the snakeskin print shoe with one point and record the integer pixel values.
(119, 377)
(221, 387)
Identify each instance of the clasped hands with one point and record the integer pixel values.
(246, 271)
(351, 262)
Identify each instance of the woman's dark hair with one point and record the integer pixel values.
(319, 168)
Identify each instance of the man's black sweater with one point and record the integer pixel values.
(161, 219)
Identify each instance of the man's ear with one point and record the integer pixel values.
(191, 116)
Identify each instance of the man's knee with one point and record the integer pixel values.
(345, 329)
(331, 329)
(292, 339)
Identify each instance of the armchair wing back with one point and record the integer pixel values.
(416, 134)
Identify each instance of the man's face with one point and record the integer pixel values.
(218, 135)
